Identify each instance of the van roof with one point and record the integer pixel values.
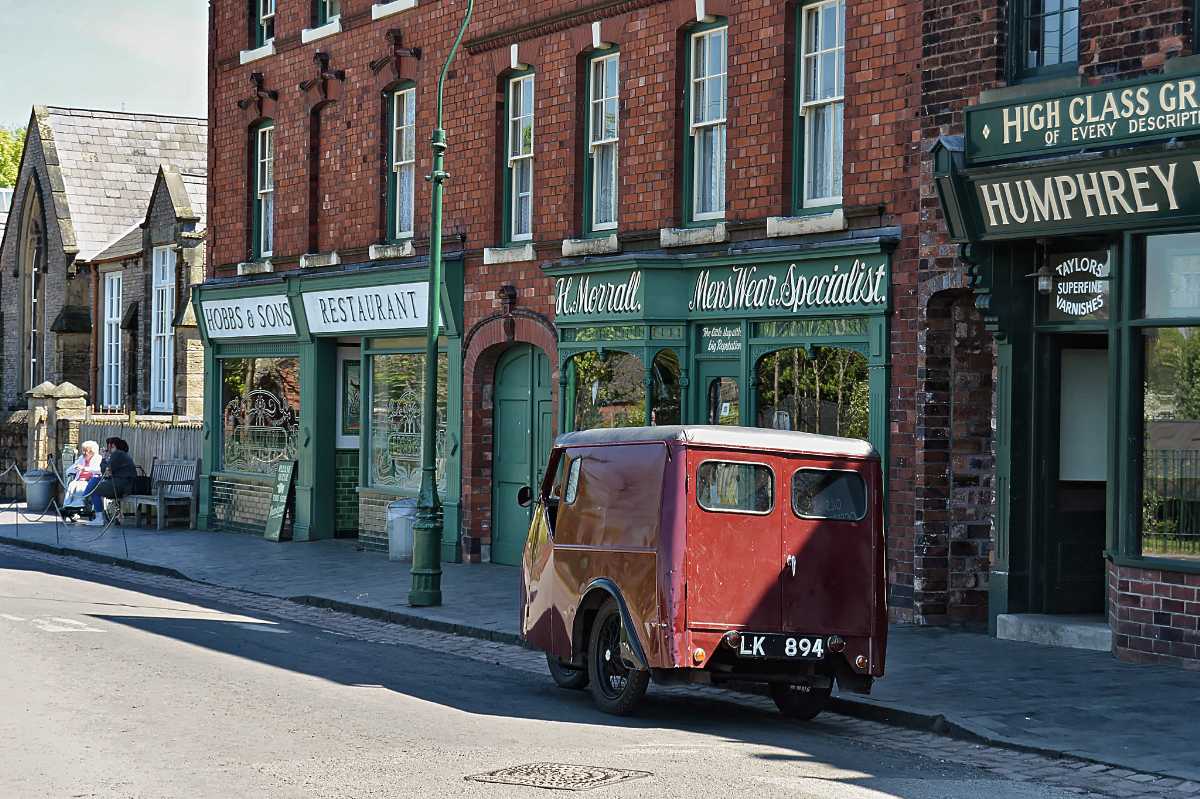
(724, 436)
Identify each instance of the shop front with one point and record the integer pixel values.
(325, 371)
(1080, 213)
(785, 338)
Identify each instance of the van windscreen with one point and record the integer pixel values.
(826, 494)
(735, 487)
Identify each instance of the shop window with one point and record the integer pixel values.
(1045, 37)
(402, 147)
(827, 494)
(725, 486)
(608, 390)
(518, 169)
(724, 402)
(262, 14)
(825, 390)
(664, 388)
(326, 11)
(263, 191)
(822, 87)
(600, 167)
(704, 144)
(260, 413)
(397, 390)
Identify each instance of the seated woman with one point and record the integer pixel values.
(79, 476)
(118, 473)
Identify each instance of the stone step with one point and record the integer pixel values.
(1072, 632)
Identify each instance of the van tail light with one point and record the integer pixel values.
(837, 643)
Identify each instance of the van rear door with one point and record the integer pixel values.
(828, 547)
(733, 532)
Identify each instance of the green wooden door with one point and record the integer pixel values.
(720, 398)
(522, 432)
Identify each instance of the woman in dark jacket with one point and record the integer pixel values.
(118, 471)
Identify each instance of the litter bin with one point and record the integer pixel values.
(40, 485)
(401, 516)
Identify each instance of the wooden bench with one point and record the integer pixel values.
(174, 486)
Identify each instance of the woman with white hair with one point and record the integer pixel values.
(82, 471)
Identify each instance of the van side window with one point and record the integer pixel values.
(825, 494)
(735, 487)
(573, 481)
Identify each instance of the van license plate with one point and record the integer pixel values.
(786, 647)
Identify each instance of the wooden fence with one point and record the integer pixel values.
(148, 440)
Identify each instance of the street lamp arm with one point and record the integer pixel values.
(453, 51)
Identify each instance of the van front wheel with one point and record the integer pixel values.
(616, 687)
(565, 675)
(800, 701)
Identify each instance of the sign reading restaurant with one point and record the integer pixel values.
(398, 306)
(1120, 113)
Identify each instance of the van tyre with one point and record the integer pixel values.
(800, 701)
(565, 675)
(616, 687)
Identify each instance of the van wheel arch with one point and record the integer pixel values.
(595, 595)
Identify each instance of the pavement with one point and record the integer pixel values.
(1048, 700)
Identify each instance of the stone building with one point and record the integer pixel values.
(79, 225)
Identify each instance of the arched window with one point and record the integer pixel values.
(823, 390)
(607, 390)
(32, 268)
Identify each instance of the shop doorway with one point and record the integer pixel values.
(522, 432)
(720, 397)
(1074, 473)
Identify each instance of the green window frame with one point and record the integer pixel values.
(262, 184)
(519, 124)
(1044, 39)
(704, 140)
(401, 116)
(601, 158)
(819, 106)
(262, 22)
(326, 11)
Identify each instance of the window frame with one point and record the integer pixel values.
(511, 191)
(792, 495)
(691, 161)
(1017, 36)
(262, 22)
(801, 142)
(162, 329)
(574, 470)
(590, 183)
(774, 488)
(394, 234)
(111, 335)
(263, 221)
(321, 12)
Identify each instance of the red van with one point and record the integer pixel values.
(708, 554)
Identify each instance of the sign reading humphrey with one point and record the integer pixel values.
(1121, 113)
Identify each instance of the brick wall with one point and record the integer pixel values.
(1155, 615)
(240, 505)
(1121, 40)
(372, 520)
(345, 491)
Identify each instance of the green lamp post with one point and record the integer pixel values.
(427, 532)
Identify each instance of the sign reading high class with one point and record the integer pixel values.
(1118, 114)
(399, 306)
(248, 317)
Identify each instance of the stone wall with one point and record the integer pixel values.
(14, 442)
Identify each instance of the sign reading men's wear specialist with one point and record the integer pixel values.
(368, 308)
(248, 317)
(1117, 114)
(1110, 194)
(1079, 286)
(801, 287)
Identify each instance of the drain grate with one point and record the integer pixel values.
(559, 776)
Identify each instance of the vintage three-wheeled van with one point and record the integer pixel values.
(708, 554)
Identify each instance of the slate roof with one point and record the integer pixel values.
(127, 246)
(109, 161)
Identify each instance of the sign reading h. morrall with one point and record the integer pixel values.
(398, 306)
(802, 287)
(1109, 193)
(601, 294)
(248, 317)
(1116, 114)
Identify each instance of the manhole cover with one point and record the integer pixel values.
(559, 776)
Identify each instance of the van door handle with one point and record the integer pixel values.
(791, 562)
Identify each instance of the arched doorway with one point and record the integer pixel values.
(522, 425)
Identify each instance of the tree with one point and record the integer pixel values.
(11, 143)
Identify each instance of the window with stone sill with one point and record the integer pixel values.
(518, 169)
(326, 11)
(262, 14)
(602, 121)
(706, 116)
(402, 157)
(263, 193)
(818, 126)
(1045, 38)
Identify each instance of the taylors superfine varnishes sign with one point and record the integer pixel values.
(603, 294)
(823, 285)
(399, 306)
(1116, 114)
(248, 317)
(1079, 288)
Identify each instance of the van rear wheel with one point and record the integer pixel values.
(800, 701)
(565, 675)
(616, 687)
